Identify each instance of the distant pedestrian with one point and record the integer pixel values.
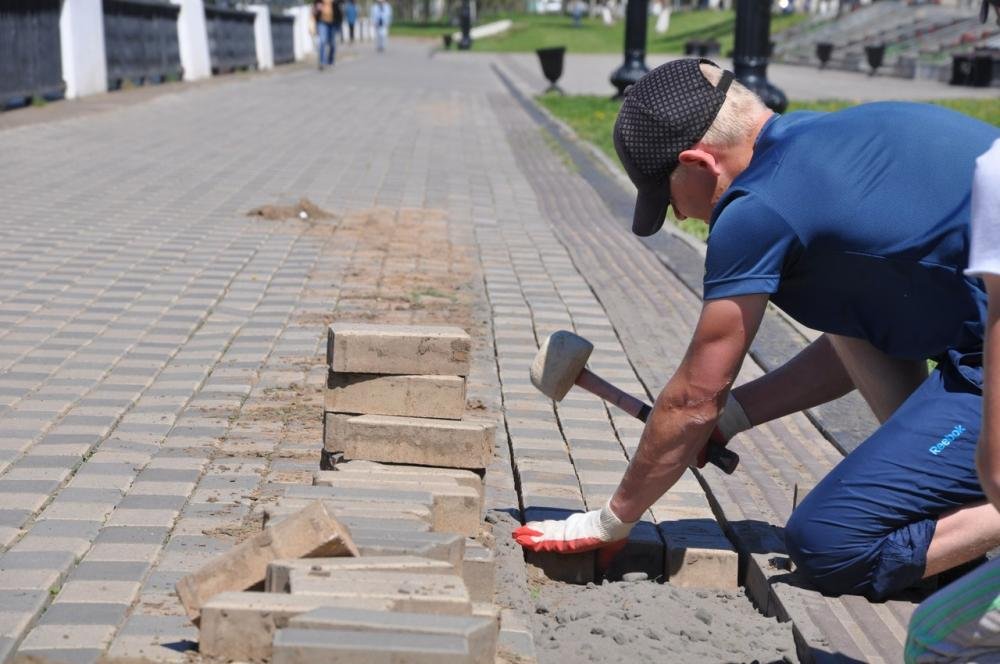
(338, 19)
(324, 13)
(381, 19)
(351, 14)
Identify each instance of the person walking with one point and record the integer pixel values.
(855, 223)
(338, 20)
(324, 11)
(381, 19)
(351, 15)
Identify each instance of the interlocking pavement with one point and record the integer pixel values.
(161, 352)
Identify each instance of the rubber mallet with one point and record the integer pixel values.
(561, 363)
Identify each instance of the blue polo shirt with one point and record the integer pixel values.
(857, 223)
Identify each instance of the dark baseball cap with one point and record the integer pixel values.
(665, 113)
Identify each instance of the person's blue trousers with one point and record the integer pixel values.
(327, 44)
(866, 527)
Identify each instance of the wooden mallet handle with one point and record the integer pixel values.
(717, 455)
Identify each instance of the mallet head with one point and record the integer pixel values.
(558, 363)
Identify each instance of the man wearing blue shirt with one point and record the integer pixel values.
(856, 224)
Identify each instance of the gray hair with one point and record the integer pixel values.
(738, 116)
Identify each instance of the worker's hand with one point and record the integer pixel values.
(577, 534)
(731, 421)
(715, 437)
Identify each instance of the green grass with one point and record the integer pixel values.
(533, 31)
(592, 118)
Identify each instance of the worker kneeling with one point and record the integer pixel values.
(855, 223)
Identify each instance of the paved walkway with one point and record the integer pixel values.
(160, 365)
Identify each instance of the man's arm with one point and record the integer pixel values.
(988, 451)
(687, 408)
(815, 376)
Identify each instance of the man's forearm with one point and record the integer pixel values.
(813, 377)
(677, 428)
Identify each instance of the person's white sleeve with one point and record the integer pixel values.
(984, 253)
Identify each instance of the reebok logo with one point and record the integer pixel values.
(952, 436)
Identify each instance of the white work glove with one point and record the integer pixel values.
(577, 534)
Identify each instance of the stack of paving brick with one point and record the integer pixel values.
(412, 580)
(396, 394)
(328, 597)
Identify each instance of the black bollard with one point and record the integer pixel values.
(465, 22)
(875, 55)
(824, 50)
(751, 50)
(634, 67)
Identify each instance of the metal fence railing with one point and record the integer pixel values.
(30, 53)
(140, 40)
(283, 38)
(231, 41)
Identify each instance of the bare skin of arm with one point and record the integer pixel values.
(988, 451)
(688, 406)
(813, 377)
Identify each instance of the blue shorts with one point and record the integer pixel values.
(866, 527)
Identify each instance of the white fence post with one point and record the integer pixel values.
(304, 42)
(192, 33)
(262, 35)
(81, 36)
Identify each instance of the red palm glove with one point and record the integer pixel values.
(579, 533)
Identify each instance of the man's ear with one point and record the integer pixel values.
(695, 158)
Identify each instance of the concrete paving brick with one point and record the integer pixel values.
(239, 626)
(371, 468)
(19, 609)
(444, 594)
(278, 571)
(114, 592)
(62, 655)
(420, 441)
(457, 508)
(479, 571)
(698, 555)
(143, 518)
(312, 532)
(109, 571)
(515, 641)
(436, 546)
(68, 636)
(383, 349)
(346, 509)
(480, 633)
(295, 646)
(405, 395)
(84, 613)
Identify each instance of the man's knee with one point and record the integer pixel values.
(812, 546)
(840, 560)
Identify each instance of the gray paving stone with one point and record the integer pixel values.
(83, 613)
(109, 571)
(64, 655)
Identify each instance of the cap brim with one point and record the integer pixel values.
(650, 209)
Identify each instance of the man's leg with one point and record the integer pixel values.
(963, 535)
(884, 382)
(868, 526)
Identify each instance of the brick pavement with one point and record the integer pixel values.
(162, 361)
